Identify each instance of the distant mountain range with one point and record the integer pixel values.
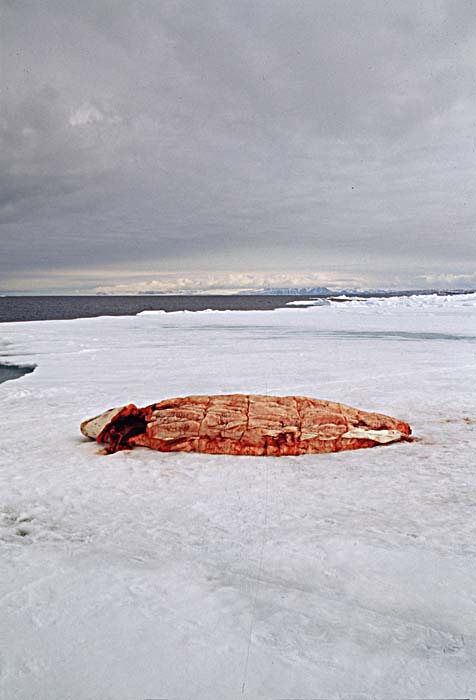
(325, 292)
(292, 291)
(303, 291)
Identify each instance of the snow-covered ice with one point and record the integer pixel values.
(147, 575)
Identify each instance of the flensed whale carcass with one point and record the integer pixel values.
(240, 424)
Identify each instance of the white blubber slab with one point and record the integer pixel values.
(145, 574)
(381, 436)
(96, 425)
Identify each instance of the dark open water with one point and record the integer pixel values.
(48, 308)
(13, 372)
(56, 307)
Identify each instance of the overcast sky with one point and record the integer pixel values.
(232, 144)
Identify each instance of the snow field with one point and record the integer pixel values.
(147, 575)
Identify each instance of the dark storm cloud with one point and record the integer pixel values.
(149, 137)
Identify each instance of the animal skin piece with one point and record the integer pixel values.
(239, 424)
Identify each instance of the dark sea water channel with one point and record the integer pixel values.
(49, 308)
(13, 371)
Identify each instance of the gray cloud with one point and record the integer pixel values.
(177, 140)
